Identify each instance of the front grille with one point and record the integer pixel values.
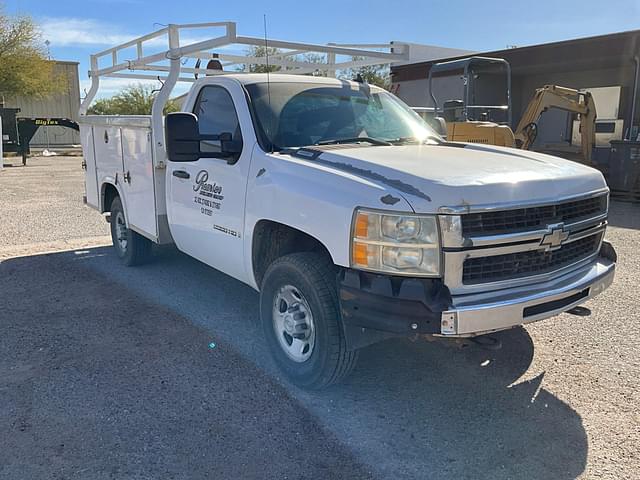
(522, 264)
(530, 218)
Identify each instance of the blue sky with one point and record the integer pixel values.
(77, 28)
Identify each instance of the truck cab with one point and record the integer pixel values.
(354, 220)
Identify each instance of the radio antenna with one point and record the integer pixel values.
(266, 54)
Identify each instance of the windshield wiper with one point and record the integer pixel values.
(372, 141)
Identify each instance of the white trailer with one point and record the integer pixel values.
(353, 219)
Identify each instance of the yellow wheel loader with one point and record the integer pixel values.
(467, 121)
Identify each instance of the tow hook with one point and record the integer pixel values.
(580, 311)
(487, 342)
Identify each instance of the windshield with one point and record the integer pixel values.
(301, 114)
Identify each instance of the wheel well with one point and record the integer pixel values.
(109, 192)
(272, 240)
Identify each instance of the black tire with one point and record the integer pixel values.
(315, 279)
(137, 249)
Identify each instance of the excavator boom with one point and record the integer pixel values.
(562, 98)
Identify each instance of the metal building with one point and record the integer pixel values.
(63, 104)
(606, 65)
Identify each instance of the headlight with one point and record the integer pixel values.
(397, 244)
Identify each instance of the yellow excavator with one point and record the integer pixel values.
(489, 124)
(562, 98)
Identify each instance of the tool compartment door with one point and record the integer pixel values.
(138, 181)
(108, 153)
(90, 176)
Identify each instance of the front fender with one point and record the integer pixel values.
(312, 198)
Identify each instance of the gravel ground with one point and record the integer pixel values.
(42, 202)
(558, 401)
(101, 384)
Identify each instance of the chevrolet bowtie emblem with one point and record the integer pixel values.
(555, 238)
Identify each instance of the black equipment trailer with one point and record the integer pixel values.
(17, 132)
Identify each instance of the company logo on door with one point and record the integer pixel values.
(208, 195)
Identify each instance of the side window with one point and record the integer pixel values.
(216, 115)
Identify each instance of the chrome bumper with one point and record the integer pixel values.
(476, 314)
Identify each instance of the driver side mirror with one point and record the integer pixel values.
(183, 140)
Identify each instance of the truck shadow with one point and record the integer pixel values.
(462, 413)
(416, 407)
(410, 409)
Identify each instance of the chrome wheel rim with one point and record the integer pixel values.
(121, 232)
(293, 323)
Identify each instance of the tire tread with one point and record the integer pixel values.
(321, 272)
(139, 247)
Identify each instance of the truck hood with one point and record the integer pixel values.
(434, 176)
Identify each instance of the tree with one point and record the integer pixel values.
(319, 58)
(259, 51)
(132, 100)
(372, 74)
(24, 67)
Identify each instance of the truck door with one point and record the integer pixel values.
(206, 198)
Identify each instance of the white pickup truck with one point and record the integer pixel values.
(352, 218)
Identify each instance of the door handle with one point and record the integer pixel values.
(181, 174)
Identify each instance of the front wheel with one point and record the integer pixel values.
(131, 247)
(300, 316)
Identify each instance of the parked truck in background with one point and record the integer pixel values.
(352, 218)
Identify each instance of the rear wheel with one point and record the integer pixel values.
(131, 247)
(300, 316)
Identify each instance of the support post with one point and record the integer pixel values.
(331, 60)
(1, 152)
(160, 101)
(95, 84)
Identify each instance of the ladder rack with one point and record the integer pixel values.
(161, 55)
(169, 63)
